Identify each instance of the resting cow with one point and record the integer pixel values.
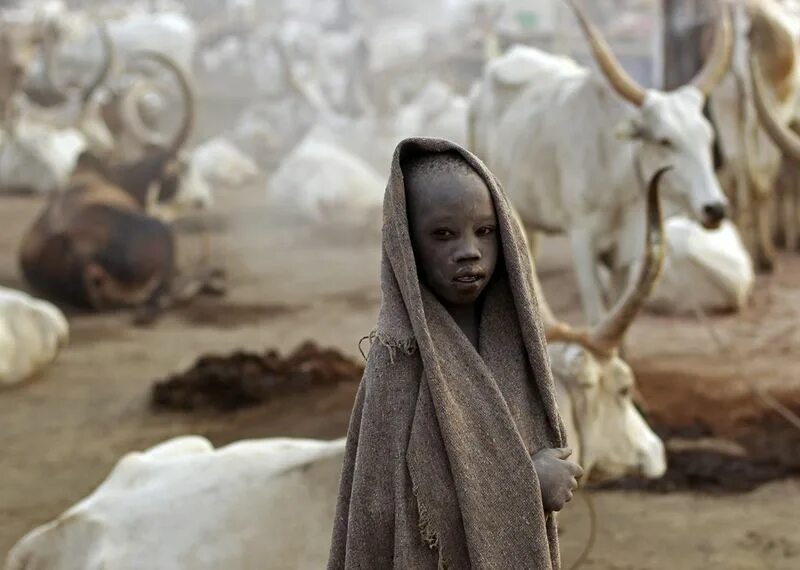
(32, 332)
(95, 245)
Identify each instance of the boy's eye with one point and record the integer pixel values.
(442, 233)
(485, 231)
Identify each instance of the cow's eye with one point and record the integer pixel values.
(665, 143)
(625, 392)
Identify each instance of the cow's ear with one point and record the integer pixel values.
(629, 129)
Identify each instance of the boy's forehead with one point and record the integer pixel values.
(444, 186)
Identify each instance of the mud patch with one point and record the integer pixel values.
(698, 459)
(229, 315)
(246, 379)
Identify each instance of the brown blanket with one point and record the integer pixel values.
(438, 470)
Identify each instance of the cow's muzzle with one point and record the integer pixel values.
(713, 215)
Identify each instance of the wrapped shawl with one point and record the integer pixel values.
(438, 471)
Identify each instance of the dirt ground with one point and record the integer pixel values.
(62, 432)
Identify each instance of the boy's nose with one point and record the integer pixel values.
(468, 251)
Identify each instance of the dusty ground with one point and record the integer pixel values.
(62, 432)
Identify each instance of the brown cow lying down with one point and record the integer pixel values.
(95, 246)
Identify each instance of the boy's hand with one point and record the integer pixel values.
(557, 477)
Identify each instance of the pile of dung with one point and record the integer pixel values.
(759, 452)
(245, 379)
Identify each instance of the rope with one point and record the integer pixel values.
(587, 550)
(586, 495)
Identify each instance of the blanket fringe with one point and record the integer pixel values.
(406, 346)
(429, 535)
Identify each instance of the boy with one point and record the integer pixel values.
(455, 452)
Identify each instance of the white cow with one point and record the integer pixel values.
(170, 33)
(223, 165)
(32, 332)
(270, 503)
(709, 270)
(550, 130)
(182, 504)
(769, 32)
(322, 183)
(37, 157)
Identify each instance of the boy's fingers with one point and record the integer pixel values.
(577, 470)
(563, 452)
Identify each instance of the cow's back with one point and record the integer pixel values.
(518, 117)
(253, 504)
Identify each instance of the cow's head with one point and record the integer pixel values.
(163, 178)
(595, 395)
(595, 386)
(670, 127)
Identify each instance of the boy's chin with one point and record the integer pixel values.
(462, 296)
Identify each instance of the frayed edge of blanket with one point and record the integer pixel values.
(406, 346)
(428, 534)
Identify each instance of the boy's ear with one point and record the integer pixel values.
(629, 129)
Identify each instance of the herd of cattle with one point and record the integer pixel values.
(579, 152)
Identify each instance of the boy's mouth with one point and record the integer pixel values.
(469, 277)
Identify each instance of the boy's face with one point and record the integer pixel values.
(454, 234)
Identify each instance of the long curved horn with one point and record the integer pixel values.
(554, 329)
(716, 66)
(129, 113)
(190, 103)
(781, 134)
(608, 333)
(109, 58)
(619, 79)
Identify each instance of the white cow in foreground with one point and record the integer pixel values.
(704, 269)
(184, 505)
(269, 504)
(552, 132)
(32, 332)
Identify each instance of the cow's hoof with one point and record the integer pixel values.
(765, 264)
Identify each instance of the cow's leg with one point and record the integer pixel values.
(761, 199)
(765, 246)
(778, 206)
(588, 278)
(792, 204)
(744, 215)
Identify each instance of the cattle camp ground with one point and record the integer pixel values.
(288, 159)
